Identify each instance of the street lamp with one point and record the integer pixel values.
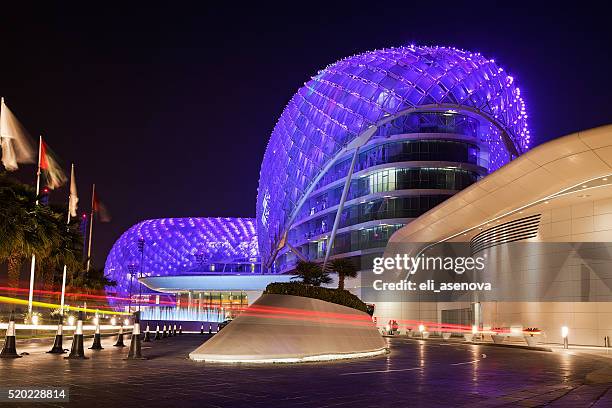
(141, 244)
(132, 270)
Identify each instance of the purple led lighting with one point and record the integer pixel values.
(350, 96)
(180, 246)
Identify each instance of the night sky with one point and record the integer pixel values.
(169, 110)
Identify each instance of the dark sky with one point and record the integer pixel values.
(169, 109)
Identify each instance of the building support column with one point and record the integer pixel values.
(347, 185)
(296, 252)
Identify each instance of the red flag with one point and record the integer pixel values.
(53, 172)
(100, 209)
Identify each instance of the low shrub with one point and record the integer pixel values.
(337, 296)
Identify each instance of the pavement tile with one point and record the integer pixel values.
(505, 378)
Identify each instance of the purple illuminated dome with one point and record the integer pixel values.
(363, 101)
(182, 246)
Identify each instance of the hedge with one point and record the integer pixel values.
(337, 296)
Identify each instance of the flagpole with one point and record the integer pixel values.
(33, 263)
(91, 219)
(67, 226)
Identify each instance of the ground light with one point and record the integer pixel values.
(564, 333)
(325, 357)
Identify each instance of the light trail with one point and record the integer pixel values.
(79, 295)
(4, 299)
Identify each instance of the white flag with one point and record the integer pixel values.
(15, 142)
(8, 154)
(74, 198)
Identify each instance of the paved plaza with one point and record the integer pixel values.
(415, 373)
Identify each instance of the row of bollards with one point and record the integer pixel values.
(9, 350)
(209, 329)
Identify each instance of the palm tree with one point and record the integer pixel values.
(90, 282)
(20, 233)
(66, 251)
(27, 228)
(311, 273)
(345, 269)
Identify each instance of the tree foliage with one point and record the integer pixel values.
(28, 229)
(340, 297)
(311, 273)
(345, 268)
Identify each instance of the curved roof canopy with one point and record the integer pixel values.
(179, 246)
(554, 169)
(340, 108)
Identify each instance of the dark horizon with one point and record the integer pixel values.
(145, 101)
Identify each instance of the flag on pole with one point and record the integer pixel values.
(100, 209)
(73, 199)
(53, 172)
(14, 140)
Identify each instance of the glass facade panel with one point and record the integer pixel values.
(376, 209)
(388, 180)
(404, 151)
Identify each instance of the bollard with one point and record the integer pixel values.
(76, 351)
(180, 332)
(170, 334)
(209, 328)
(147, 335)
(157, 333)
(97, 344)
(202, 329)
(164, 334)
(135, 352)
(119, 342)
(9, 349)
(58, 344)
(174, 331)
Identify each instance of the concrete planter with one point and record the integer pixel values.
(425, 335)
(531, 340)
(446, 336)
(498, 338)
(468, 337)
(329, 333)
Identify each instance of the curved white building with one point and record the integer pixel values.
(558, 195)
